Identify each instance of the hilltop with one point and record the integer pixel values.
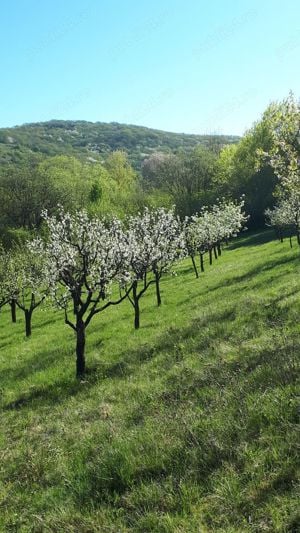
(188, 424)
(93, 141)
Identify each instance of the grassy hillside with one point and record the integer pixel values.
(187, 425)
(93, 141)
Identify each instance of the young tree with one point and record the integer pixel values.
(166, 233)
(27, 283)
(284, 217)
(83, 258)
(157, 241)
(5, 290)
(169, 240)
(196, 240)
(139, 241)
(206, 231)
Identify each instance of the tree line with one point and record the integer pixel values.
(110, 241)
(189, 178)
(86, 264)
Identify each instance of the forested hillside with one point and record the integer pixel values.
(88, 140)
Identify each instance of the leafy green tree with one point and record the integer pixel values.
(283, 156)
(125, 194)
(24, 193)
(187, 178)
(26, 282)
(40, 184)
(284, 159)
(237, 171)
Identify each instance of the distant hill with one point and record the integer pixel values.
(94, 140)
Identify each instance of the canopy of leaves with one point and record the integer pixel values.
(94, 141)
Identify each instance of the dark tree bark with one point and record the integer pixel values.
(158, 297)
(219, 249)
(194, 265)
(28, 312)
(28, 315)
(13, 309)
(291, 243)
(136, 306)
(201, 263)
(80, 347)
(210, 256)
(137, 293)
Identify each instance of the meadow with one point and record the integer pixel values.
(188, 424)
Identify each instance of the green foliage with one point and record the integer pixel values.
(11, 237)
(237, 171)
(43, 183)
(188, 424)
(92, 142)
(186, 178)
(99, 166)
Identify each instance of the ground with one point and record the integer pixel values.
(187, 425)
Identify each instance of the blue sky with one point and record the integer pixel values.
(179, 65)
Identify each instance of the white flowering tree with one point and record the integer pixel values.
(206, 231)
(284, 158)
(156, 241)
(26, 282)
(84, 257)
(139, 241)
(285, 218)
(167, 235)
(196, 240)
(4, 279)
(231, 219)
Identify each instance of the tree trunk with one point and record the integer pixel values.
(194, 265)
(80, 348)
(210, 256)
(219, 249)
(215, 253)
(157, 289)
(201, 263)
(28, 314)
(291, 243)
(298, 237)
(13, 309)
(136, 306)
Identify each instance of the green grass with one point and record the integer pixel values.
(187, 425)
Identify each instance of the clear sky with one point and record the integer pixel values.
(180, 65)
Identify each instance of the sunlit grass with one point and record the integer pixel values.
(186, 425)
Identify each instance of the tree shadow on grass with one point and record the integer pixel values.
(47, 322)
(243, 278)
(252, 239)
(50, 395)
(5, 344)
(204, 446)
(249, 276)
(130, 361)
